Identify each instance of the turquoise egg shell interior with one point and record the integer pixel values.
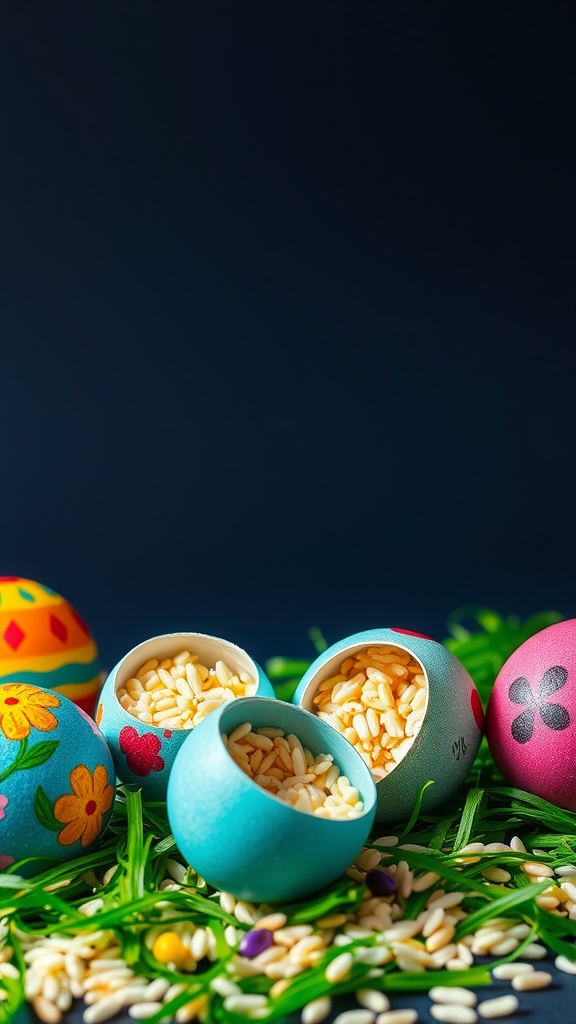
(28, 826)
(244, 840)
(448, 741)
(144, 754)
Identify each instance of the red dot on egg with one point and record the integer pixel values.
(167, 734)
(477, 709)
(410, 632)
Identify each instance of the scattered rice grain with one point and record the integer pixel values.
(316, 1011)
(339, 968)
(531, 980)
(505, 972)
(373, 999)
(562, 963)
(355, 1017)
(500, 1006)
(451, 1013)
(453, 994)
(407, 1016)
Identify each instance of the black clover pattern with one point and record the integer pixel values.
(553, 715)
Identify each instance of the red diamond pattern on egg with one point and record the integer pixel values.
(13, 635)
(78, 618)
(58, 628)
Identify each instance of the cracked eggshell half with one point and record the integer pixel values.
(144, 752)
(447, 737)
(531, 715)
(241, 838)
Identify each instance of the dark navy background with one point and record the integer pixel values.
(287, 318)
(287, 313)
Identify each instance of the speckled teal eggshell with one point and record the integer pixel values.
(451, 731)
(57, 778)
(144, 754)
(242, 839)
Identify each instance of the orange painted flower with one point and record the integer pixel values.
(23, 707)
(81, 812)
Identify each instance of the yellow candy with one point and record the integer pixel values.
(169, 949)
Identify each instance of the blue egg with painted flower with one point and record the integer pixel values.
(57, 779)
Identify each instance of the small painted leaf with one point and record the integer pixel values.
(520, 692)
(20, 756)
(553, 679)
(555, 716)
(523, 726)
(44, 812)
(38, 754)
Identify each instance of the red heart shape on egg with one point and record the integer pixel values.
(141, 751)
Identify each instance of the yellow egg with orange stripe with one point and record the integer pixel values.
(44, 642)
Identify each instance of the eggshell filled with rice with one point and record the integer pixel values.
(267, 802)
(160, 691)
(57, 778)
(409, 708)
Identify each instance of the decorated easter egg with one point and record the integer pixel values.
(162, 689)
(44, 642)
(57, 778)
(531, 715)
(407, 705)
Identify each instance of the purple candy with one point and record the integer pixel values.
(255, 942)
(380, 882)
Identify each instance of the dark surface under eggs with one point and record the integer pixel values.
(547, 1006)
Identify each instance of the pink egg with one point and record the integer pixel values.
(531, 716)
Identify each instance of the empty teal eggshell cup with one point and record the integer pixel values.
(143, 753)
(447, 743)
(242, 839)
